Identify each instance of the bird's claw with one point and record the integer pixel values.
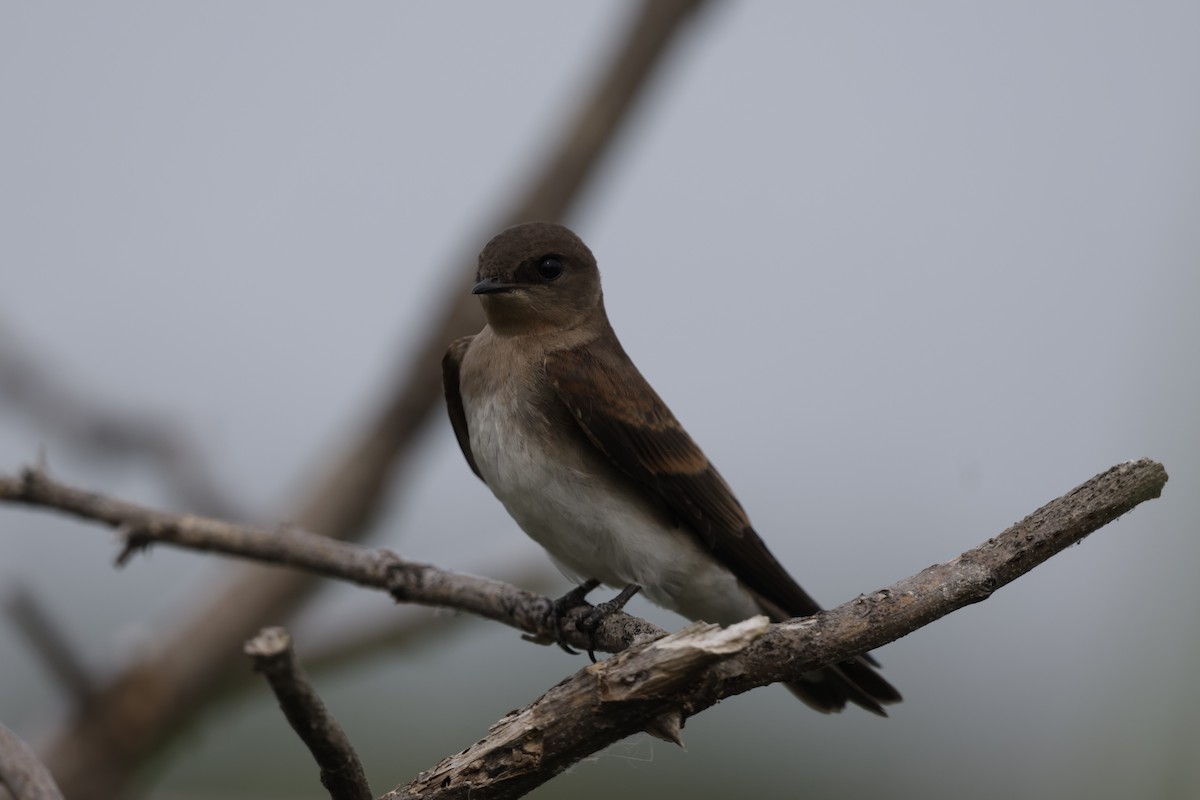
(563, 606)
(592, 621)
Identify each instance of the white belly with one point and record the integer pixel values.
(593, 523)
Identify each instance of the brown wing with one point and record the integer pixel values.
(451, 366)
(622, 415)
(624, 418)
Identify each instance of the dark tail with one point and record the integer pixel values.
(828, 689)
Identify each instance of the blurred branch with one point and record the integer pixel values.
(341, 771)
(655, 683)
(136, 713)
(28, 387)
(21, 771)
(51, 644)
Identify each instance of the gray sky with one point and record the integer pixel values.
(906, 271)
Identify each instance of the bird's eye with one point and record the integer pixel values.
(549, 268)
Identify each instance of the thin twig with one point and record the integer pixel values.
(380, 631)
(21, 771)
(341, 772)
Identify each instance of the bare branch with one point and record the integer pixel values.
(690, 671)
(21, 771)
(380, 631)
(341, 772)
(647, 686)
(89, 758)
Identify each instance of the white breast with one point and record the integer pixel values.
(590, 519)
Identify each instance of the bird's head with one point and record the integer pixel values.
(537, 277)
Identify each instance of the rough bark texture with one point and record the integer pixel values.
(22, 773)
(342, 773)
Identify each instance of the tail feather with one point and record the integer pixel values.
(828, 690)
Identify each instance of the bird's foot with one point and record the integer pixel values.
(563, 605)
(592, 621)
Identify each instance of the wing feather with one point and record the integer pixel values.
(451, 368)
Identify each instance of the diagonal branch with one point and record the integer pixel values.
(341, 771)
(655, 683)
(21, 771)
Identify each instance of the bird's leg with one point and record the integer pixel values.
(601, 610)
(563, 605)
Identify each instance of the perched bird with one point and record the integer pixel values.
(554, 417)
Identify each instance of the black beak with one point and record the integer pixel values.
(492, 286)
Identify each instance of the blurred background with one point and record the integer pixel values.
(905, 271)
